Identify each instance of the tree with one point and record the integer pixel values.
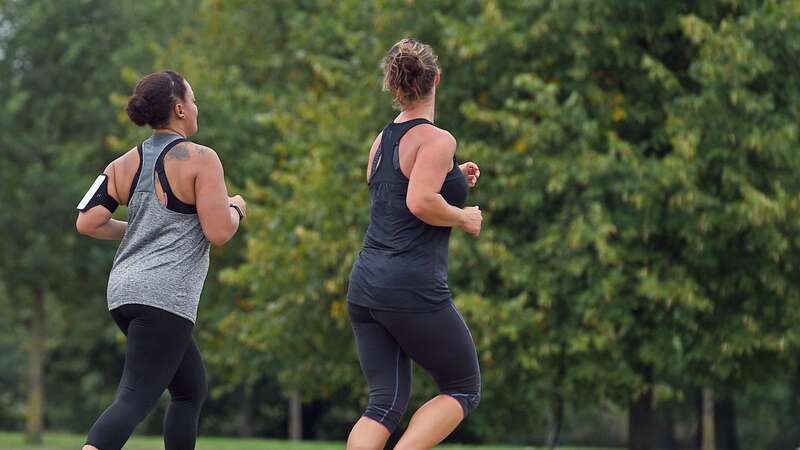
(59, 61)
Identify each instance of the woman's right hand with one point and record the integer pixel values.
(472, 219)
(239, 201)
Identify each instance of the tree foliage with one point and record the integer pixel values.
(639, 183)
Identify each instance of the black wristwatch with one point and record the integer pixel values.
(238, 210)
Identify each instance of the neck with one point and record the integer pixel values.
(170, 129)
(424, 109)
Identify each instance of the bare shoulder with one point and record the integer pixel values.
(439, 137)
(127, 162)
(433, 137)
(120, 174)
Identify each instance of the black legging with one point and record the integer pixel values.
(438, 341)
(160, 354)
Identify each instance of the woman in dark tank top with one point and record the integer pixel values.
(399, 301)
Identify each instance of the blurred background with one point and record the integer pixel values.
(636, 283)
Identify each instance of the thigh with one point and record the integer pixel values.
(189, 381)
(438, 341)
(383, 361)
(157, 341)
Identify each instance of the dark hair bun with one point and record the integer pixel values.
(137, 110)
(154, 97)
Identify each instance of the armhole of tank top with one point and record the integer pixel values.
(173, 202)
(135, 181)
(377, 158)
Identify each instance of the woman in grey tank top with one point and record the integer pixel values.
(178, 206)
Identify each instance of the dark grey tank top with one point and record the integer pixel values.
(162, 260)
(402, 265)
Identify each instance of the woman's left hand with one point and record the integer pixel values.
(471, 171)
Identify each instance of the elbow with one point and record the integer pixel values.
(219, 242)
(220, 237)
(418, 207)
(82, 227)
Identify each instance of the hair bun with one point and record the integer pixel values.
(409, 72)
(410, 64)
(137, 110)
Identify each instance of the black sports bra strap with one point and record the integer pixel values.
(173, 203)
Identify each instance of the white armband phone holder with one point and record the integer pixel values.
(98, 195)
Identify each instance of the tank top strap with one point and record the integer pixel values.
(173, 202)
(136, 176)
(151, 149)
(388, 149)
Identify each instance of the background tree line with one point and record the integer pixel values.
(636, 280)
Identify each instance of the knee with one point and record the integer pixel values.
(468, 395)
(195, 394)
(468, 401)
(387, 409)
(201, 391)
(199, 395)
(137, 403)
(474, 400)
(196, 398)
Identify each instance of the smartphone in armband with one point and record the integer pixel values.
(98, 195)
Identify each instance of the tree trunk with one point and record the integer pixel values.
(554, 440)
(707, 419)
(667, 432)
(725, 424)
(245, 419)
(641, 420)
(295, 416)
(35, 413)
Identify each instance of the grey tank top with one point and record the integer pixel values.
(162, 260)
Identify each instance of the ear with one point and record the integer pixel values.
(438, 78)
(179, 111)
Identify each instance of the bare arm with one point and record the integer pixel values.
(425, 181)
(97, 222)
(218, 220)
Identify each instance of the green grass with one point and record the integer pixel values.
(59, 441)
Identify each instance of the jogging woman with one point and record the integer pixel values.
(177, 206)
(399, 302)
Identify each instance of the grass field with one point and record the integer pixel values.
(58, 441)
